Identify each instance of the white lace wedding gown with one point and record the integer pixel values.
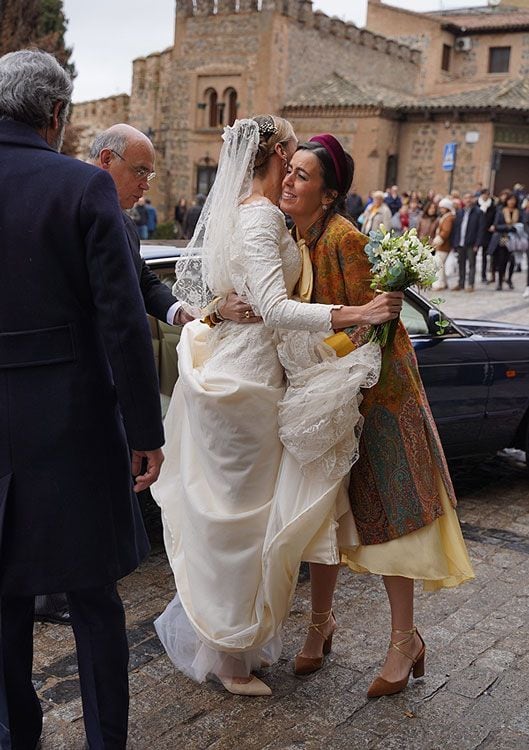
(239, 511)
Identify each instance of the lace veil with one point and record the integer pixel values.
(204, 270)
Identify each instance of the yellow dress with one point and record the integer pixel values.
(435, 554)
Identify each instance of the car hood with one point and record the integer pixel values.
(494, 328)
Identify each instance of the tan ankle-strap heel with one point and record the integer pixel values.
(380, 686)
(304, 665)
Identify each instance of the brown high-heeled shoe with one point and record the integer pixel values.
(380, 686)
(304, 665)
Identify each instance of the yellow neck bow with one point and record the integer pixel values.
(304, 285)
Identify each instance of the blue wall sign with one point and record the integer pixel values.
(449, 157)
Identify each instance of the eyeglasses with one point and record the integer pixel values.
(141, 172)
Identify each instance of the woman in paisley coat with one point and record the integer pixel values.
(400, 489)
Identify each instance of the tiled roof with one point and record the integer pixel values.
(509, 96)
(492, 18)
(337, 91)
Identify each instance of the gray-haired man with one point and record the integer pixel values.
(78, 386)
(129, 158)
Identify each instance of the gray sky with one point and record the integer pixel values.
(106, 35)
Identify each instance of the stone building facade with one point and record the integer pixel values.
(383, 90)
(92, 117)
(473, 91)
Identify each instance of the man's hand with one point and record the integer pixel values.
(234, 308)
(154, 464)
(182, 317)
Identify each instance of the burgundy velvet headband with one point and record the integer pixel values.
(337, 154)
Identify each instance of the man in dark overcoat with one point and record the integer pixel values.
(77, 387)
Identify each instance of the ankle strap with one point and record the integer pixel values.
(404, 641)
(405, 632)
(317, 625)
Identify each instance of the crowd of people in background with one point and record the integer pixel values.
(145, 218)
(186, 215)
(461, 228)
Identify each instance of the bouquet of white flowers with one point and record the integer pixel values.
(397, 263)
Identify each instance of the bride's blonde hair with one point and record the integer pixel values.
(272, 130)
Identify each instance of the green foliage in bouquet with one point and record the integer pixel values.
(397, 262)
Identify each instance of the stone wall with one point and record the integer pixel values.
(330, 45)
(369, 137)
(416, 30)
(421, 152)
(94, 116)
(150, 112)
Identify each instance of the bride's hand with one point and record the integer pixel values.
(384, 307)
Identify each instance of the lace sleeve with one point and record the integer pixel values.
(258, 273)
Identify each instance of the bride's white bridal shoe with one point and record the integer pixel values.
(255, 686)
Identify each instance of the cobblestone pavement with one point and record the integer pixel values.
(507, 305)
(474, 693)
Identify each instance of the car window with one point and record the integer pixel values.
(413, 318)
(166, 274)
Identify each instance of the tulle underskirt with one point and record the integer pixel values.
(197, 660)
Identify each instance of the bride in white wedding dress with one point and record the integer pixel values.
(240, 511)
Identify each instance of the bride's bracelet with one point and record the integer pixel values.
(211, 315)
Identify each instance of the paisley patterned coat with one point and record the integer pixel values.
(392, 487)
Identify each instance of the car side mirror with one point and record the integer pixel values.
(434, 318)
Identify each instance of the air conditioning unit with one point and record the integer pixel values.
(463, 44)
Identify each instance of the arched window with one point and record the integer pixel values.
(212, 102)
(230, 97)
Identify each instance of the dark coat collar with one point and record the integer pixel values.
(13, 132)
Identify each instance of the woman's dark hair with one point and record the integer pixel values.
(330, 179)
(427, 207)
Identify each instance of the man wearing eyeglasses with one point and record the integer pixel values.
(128, 156)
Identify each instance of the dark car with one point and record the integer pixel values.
(475, 372)
(476, 376)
